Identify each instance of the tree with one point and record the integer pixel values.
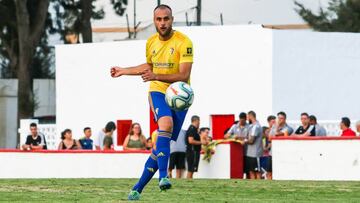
(340, 16)
(77, 16)
(119, 6)
(22, 28)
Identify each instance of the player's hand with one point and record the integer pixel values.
(148, 75)
(116, 72)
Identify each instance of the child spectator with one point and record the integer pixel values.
(86, 142)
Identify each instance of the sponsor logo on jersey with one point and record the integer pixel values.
(188, 52)
(163, 65)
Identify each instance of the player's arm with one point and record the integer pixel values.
(193, 141)
(136, 70)
(183, 75)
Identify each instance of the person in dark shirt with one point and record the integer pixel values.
(86, 142)
(305, 129)
(35, 141)
(193, 146)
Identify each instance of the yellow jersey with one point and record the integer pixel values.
(166, 56)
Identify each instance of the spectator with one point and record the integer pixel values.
(204, 135)
(345, 127)
(254, 147)
(264, 159)
(305, 129)
(281, 128)
(108, 130)
(271, 121)
(86, 142)
(238, 130)
(193, 146)
(35, 141)
(177, 155)
(149, 143)
(358, 127)
(319, 130)
(135, 140)
(108, 142)
(266, 130)
(68, 143)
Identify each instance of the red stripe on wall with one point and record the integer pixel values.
(236, 160)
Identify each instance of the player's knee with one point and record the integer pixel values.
(165, 124)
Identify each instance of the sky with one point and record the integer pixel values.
(234, 11)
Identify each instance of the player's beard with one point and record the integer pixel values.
(166, 34)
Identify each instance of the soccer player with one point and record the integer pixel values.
(169, 57)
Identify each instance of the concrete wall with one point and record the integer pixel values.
(317, 73)
(222, 70)
(45, 96)
(98, 164)
(321, 159)
(236, 68)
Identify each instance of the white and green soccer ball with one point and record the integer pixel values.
(179, 96)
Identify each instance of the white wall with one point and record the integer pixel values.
(108, 165)
(316, 159)
(317, 73)
(222, 71)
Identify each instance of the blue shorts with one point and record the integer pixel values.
(160, 109)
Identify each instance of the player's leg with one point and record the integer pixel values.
(150, 169)
(163, 116)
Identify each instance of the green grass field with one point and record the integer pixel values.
(116, 190)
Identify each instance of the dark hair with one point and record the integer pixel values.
(131, 132)
(110, 126)
(271, 117)
(204, 129)
(242, 115)
(305, 114)
(281, 113)
(252, 113)
(313, 118)
(162, 6)
(346, 121)
(195, 118)
(64, 132)
(87, 128)
(264, 128)
(33, 125)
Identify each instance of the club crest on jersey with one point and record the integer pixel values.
(172, 51)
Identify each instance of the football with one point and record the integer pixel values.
(179, 96)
